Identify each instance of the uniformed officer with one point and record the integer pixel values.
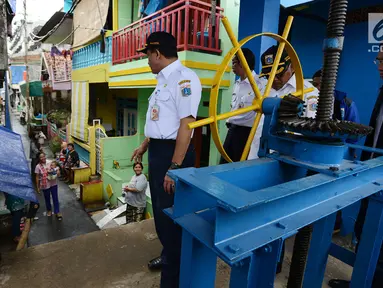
(284, 83)
(345, 110)
(243, 96)
(172, 106)
(374, 140)
(344, 107)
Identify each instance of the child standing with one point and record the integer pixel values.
(46, 179)
(135, 196)
(53, 172)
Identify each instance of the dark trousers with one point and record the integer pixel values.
(378, 276)
(47, 196)
(16, 219)
(160, 158)
(34, 163)
(235, 142)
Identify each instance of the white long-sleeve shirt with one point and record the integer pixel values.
(243, 96)
(311, 101)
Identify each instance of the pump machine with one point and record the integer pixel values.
(242, 212)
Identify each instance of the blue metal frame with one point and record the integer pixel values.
(241, 212)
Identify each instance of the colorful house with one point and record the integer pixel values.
(112, 82)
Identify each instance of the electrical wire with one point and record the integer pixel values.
(74, 30)
(37, 38)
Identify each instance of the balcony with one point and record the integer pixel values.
(189, 21)
(91, 56)
(59, 68)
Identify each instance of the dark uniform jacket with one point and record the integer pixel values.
(370, 138)
(378, 277)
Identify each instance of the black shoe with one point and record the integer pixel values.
(337, 283)
(155, 264)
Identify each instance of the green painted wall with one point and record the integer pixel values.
(125, 12)
(231, 11)
(120, 149)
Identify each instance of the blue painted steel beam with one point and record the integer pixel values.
(275, 212)
(238, 211)
(198, 263)
(343, 254)
(345, 169)
(365, 148)
(318, 252)
(264, 265)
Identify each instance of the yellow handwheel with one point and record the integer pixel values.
(258, 99)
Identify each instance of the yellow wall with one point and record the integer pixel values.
(93, 74)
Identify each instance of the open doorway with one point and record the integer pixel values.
(126, 117)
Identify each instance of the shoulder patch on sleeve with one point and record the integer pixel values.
(186, 89)
(312, 102)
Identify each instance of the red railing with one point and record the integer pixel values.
(188, 20)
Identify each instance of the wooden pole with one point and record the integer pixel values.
(24, 235)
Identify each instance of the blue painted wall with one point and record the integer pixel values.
(253, 21)
(91, 56)
(358, 75)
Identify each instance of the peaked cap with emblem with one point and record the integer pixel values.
(268, 58)
(160, 40)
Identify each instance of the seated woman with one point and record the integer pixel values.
(73, 160)
(62, 158)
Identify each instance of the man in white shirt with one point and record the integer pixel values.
(284, 83)
(239, 126)
(172, 106)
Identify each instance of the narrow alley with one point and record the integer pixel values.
(75, 220)
(191, 143)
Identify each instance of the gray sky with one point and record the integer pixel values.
(39, 9)
(44, 9)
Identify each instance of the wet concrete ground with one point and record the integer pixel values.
(112, 258)
(75, 220)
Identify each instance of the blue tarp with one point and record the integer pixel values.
(154, 5)
(12, 3)
(15, 178)
(17, 73)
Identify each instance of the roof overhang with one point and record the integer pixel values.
(63, 31)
